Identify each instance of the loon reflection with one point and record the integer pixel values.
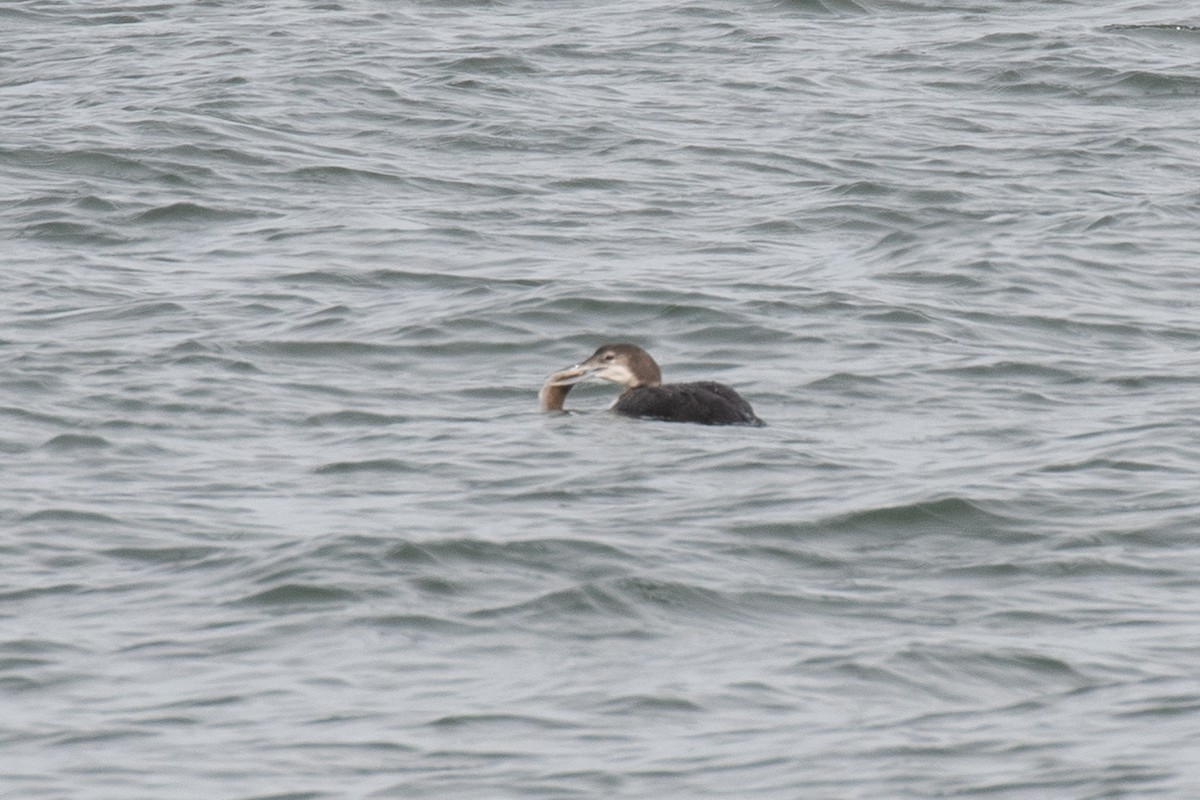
(645, 395)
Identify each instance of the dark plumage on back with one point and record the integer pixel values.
(644, 393)
(707, 403)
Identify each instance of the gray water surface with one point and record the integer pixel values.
(279, 517)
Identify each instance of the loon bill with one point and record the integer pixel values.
(644, 394)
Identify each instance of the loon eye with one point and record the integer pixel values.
(608, 356)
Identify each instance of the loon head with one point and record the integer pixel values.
(625, 364)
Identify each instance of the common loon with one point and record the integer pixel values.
(645, 395)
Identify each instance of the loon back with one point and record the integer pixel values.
(706, 402)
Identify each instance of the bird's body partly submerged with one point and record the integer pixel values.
(644, 394)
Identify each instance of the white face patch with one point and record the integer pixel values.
(617, 373)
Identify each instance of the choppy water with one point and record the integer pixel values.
(280, 518)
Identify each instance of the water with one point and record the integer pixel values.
(280, 517)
